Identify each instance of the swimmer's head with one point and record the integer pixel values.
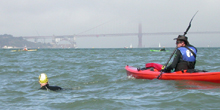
(43, 78)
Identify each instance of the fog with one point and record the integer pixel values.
(78, 17)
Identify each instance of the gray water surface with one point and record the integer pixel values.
(96, 79)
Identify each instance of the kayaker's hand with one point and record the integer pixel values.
(164, 70)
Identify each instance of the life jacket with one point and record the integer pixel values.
(187, 55)
(25, 49)
(188, 59)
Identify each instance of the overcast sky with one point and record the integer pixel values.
(69, 17)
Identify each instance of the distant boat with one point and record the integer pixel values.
(158, 50)
(21, 50)
(159, 45)
(131, 46)
(24, 49)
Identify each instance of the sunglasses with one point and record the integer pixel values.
(177, 42)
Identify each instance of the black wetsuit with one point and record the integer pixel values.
(179, 64)
(53, 88)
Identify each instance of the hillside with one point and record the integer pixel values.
(19, 42)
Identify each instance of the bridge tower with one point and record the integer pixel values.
(139, 36)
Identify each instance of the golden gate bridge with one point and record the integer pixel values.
(72, 42)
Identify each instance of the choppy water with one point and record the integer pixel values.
(96, 79)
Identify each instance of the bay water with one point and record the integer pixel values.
(96, 79)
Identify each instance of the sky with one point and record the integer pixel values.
(78, 17)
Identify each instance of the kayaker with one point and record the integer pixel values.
(43, 80)
(185, 56)
(163, 49)
(25, 48)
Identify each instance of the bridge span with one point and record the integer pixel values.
(72, 43)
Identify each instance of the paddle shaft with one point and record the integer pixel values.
(167, 63)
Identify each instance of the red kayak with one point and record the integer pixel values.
(152, 70)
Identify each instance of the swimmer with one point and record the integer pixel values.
(43, 80)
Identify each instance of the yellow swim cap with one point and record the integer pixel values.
(43, 78)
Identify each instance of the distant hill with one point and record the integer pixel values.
(19, 42)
